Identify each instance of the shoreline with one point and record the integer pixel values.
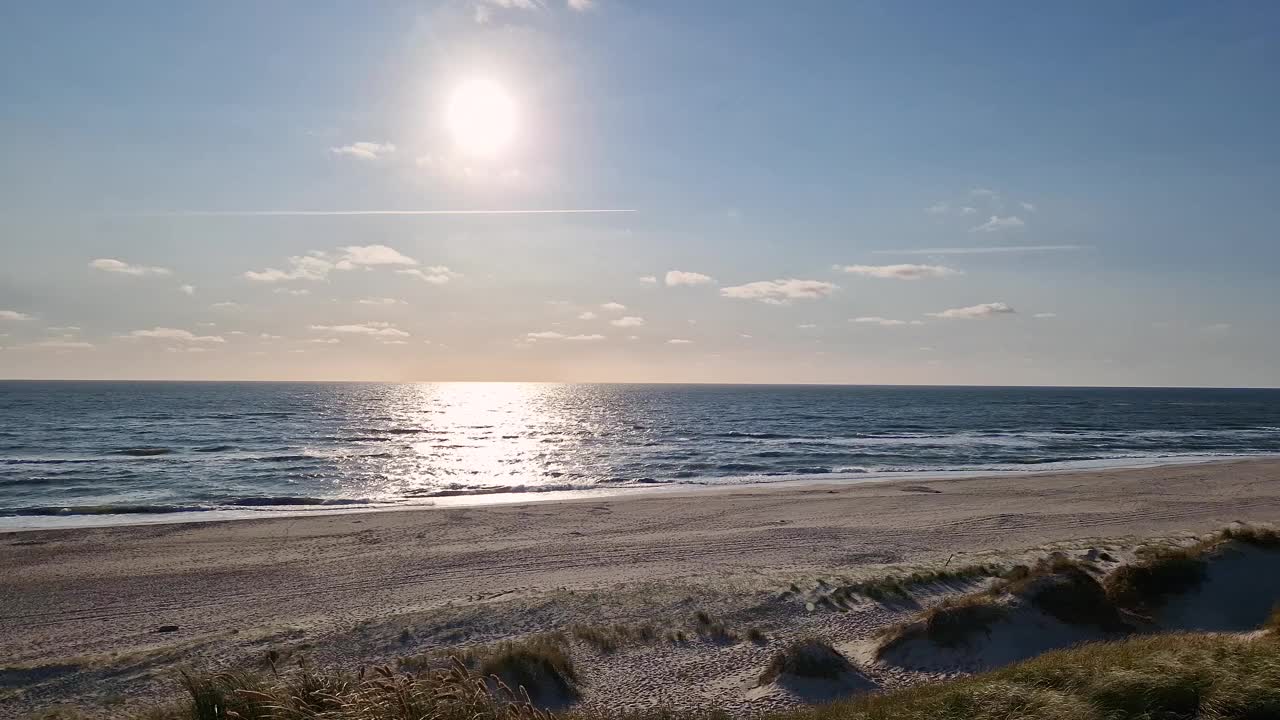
(467, 499)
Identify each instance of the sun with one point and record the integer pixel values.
(481, 117)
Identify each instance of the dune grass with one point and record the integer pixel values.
(1066, 589)
(806, 658)
(951, 623)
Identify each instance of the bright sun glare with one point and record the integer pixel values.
(481, 117)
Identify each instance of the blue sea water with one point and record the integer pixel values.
(82, 451)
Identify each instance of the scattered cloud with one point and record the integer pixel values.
(684, 277)
(124, 268)
(1045, 315)
(938, 209)
(226, 305)
(996, 223)
(649, 279)
(807, 326)
(968, 210)
(587, 315)
(553, 335)
(301, 267)
(975, 311)
(627, 321)
(745, 336)
(165, 333)
(63, 344)
(980, 250)
(13, 315)
(63, 328)
(291, 291)
(381, 301)
(613, 307)
(365, 150)
(394, 342)
(188, 289)
(899, 272)
(325, 341)
(373, 329)
(581, 5)
(367, 255)
(436, 274)
(780, 292)
(679, 341)
(984, 192)
(269, 336)
(1029, 207)
(885, 322)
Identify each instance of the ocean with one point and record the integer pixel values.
(84, 453)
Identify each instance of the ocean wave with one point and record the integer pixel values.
(142, 451)
(286, 500)
(54, 511)
(214, 448)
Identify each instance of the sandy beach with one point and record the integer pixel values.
(97, 615)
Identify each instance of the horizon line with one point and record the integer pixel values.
(321, 213)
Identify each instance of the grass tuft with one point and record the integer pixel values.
(807, 658)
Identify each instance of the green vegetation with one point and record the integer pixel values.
(950, 623)
(1065, 589)
(899, 586)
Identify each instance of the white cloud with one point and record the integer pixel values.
(885, 322)
(301, 267)
(984, 192)
(976, 311)
(291, 291)
(745, 336)
(980, 250)
(325, 341)
(373, 329)
(236, 332)
(1045, 315)
(63, 328)
(807, 326)
(13, 315)
(996, 223)
(899, 272)
(967, 210)
(394, 342)
(684, 277)
(581, 5)
(552, 335)
(164, 333)
(586, 315)
(188, 289)
(780, 292)
(268, 336)
(436, 274)
(1029, 207)
(381, 301)
(679, 341)
(189, 349)
(119, 266)
(613, 307)
(649, 279)
(938, 209)
(627, 321)
(63, 344)
(366, 255)
(365, 150)
(226, 305)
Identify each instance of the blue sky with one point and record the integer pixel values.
(1108, 172)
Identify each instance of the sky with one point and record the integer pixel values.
(641, 191)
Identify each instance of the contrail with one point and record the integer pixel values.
(980, 250)
(313, 213)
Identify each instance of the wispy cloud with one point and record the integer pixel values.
(586, 315)
(684, 277)
(301, 267)
(613, 307)
(972, 312)
(373, 329)
(627, 321)
(187, 289)
(938, 209)
(581, 5)
(884, 322)
(435, 274)
(679, 341)
(365, 150)
(996, 223)
(291, 291)
(780, 292)
(366, 255)
(649, 279)
(166, 333)
(899, 272)
(381, 301)
(226, 305)
(119, 266)
(63, 344)
(317, 264)
(553, 335)
(1045, 315)
(980, 250)
(13, 315)
(1029, 207)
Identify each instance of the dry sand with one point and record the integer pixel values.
(81, 610)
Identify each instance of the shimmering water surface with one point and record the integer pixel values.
(88, 449)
